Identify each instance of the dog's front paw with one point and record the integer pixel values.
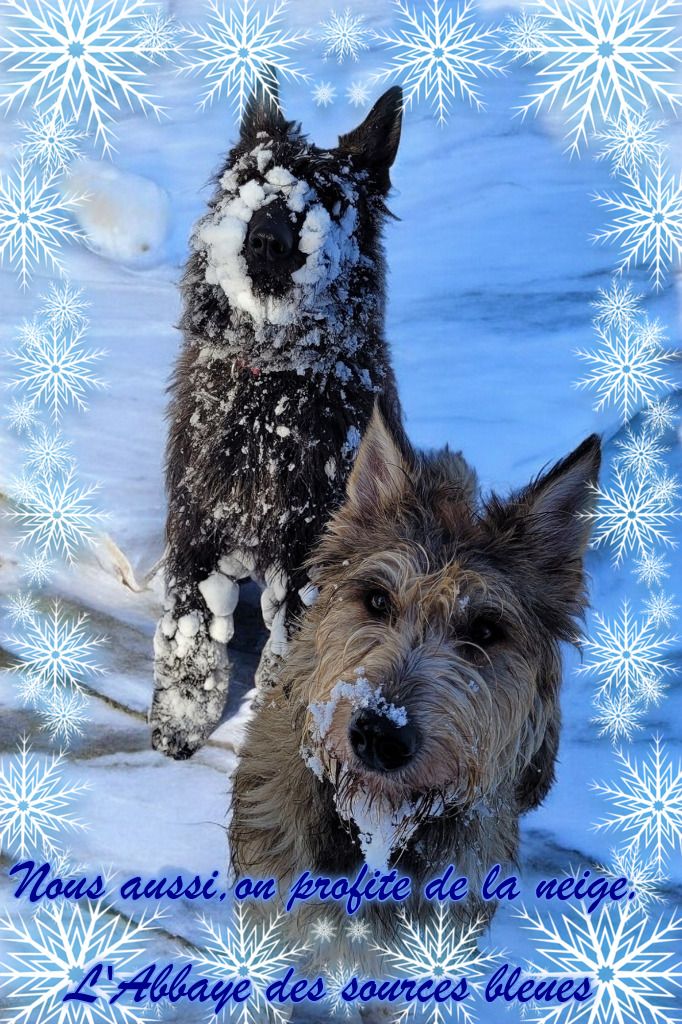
(173, 742)
(184, 715)
(191, 675)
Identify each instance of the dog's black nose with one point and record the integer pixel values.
(380, 743)
(270, 239)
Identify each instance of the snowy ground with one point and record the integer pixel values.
(491, 280)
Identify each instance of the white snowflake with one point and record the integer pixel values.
(437, 948)
(666, 488)
(629, 140)
(358, 931)
(647, 225)
(660, 416)
(601, 58)
(324, 94)
(618, 715)
(640, 453)
(56, 516)
(624, 652)
(52, 141)
(626, 956)
(335, 982)
(628, 370)
(48, 954)
(34, 220)
(31, 689)
(651, 568)
(323, 930)
(661, 608)
(617, 306)
(21, 415)
(22, 489)
(31, 332)
(632, 517)
(65, 307)
(652, 332)
(248, 946)
(653, 690)
(57, 371)
(37, 568)
(358, 93)
(59, 649)
(21, 609)
(643, 875)
(47, 453)
(78, 59)
(440, 53)
(64, 715)
(35, 802)
(157, 34)
(242, 49)
(525, 35)
(648, 802)
(345, 35)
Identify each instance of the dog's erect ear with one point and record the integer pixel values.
(374, 143)
(544, 530)
(558, 503)
(262, 112)
(380, 476)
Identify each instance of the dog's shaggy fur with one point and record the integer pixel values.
(442, 615)
(275, 384)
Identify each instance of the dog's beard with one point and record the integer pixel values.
(385, 814)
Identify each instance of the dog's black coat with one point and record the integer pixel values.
(265, 418)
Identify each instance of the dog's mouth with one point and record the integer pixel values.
(349, 782)
(274, 282)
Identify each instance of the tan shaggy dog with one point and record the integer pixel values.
(417, 715)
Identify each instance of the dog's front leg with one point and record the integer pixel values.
(274, 605)
(279, 605)
(191, 664)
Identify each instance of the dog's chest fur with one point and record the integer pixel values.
(268, 436)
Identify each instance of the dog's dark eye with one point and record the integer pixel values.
(378, 604)
(485, 632)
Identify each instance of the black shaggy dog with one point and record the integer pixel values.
(283, 357)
